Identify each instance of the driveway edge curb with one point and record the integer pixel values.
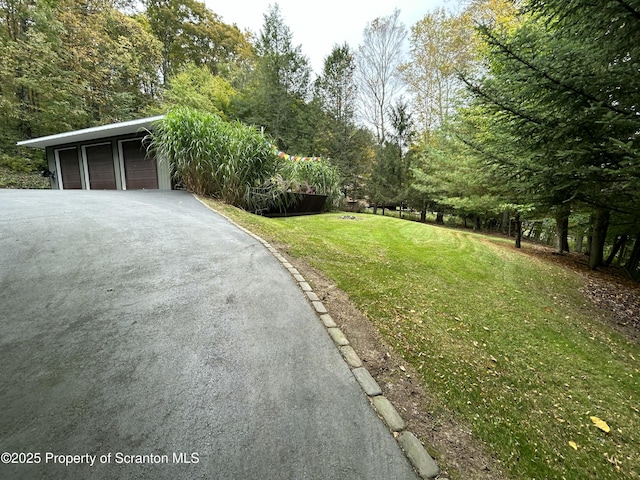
(418, 457)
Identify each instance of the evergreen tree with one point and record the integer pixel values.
(560, 99)
(390, 178)
(277, 97)
(335, 90)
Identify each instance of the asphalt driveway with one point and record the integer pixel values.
(144, 336)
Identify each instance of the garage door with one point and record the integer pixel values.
(69, 168)
(102, 174)
(140, 172)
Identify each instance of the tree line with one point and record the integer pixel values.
(525, 117)
(550, 124)
(508, 114)
(70, 64)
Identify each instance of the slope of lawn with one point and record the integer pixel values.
(505, 342)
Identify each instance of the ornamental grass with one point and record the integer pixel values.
(230, 161)
(212, 157)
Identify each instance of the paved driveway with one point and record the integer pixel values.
(142, 327)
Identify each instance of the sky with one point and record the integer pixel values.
(319, 25)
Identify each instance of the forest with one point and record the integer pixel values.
(521, 116)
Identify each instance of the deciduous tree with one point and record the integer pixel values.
(379, 59)
(190, 33)
(197, 88)
(69, 65)
(443, 45)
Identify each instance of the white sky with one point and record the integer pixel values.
(318, 25)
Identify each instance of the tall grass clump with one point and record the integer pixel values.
(292, 180)
(212, 157)
(318, 173)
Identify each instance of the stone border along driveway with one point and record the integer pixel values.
(422, 462)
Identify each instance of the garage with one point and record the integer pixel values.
(69, 168)
(100, 166)
(108, 157)
(139, 171)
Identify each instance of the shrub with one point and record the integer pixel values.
(23, 172)
(31, 162)
(17, 179)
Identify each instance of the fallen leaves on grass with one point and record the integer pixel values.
(620, 298)
(613, 460)
(601, 424)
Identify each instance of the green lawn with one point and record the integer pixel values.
(506, 342)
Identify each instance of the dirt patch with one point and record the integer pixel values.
(450, 443)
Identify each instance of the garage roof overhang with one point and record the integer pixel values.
(93, 133)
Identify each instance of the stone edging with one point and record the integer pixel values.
(421, 461)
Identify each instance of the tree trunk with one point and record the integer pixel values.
(518, 225)
(620, 241)
(440, 218)
(537, 231)
(477, 223)
(562, 228)
(579, 240)
(631, 265)
(505, 222)
(423, 212)
(375, 208)
(622, 253)
(598, 237)
(587, 250)
(550, 239)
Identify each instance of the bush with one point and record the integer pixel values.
(12, 179)
(32, 163)
(213, 157)
(23, 172)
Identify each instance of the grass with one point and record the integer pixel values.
(212, 156)
(226, 160)
(320, 174)
(505, 342)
